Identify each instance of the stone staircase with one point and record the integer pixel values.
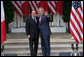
(19, 44)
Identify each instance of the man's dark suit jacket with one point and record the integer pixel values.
(44, 26)
(32, 27)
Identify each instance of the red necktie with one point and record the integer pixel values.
(40, 19)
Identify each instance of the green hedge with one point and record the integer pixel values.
(9, 11)
(66, 10)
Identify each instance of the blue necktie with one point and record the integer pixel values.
(34, 20)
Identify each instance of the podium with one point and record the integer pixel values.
(69, 54)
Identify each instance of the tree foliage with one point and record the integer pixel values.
(67, 10)
(9, 11)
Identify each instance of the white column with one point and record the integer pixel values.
(54, 20)
(58, 18)
(62, 23)
(22, 23)
(15, 20)
(18, 20)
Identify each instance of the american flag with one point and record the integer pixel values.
(25, 7)
(34, 5)
(76, 21)
(59, 7)
(52, 6)
(17, 6)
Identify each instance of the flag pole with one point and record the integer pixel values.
(75, 49)
(3, 28)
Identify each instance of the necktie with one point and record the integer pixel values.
(34, 20)
(40, 19)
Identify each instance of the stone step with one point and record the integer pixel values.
(52, 43)
(19, 44)
(14, 41)
(28, 54)
(27, 46)
(26, 42)
(52, 48)
(40, 51)
(23, 35)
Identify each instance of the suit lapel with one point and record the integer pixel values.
(42, 17)
(35, 21)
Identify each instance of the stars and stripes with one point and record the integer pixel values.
(59, 7)
(56, 6)
(17, 6)
(44, 5)
(25, 7)
(34, 5)
(76, 21)
(21, 6)
(52, 6)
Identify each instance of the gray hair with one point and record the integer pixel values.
(41, 8)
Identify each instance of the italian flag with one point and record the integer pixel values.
(3, 28)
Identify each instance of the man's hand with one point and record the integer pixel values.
(29, 36)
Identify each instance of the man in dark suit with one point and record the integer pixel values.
(45, 32)
(32, 31)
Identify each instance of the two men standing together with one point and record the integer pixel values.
(34, 27)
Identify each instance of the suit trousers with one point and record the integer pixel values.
(45, 44)
(33, 42)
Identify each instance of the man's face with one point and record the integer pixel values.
(40, 12)
(33, 13)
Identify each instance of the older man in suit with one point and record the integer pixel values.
(32, 31)
(44, 32)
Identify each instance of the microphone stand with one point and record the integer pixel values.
(2, 49)
(75, 50)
